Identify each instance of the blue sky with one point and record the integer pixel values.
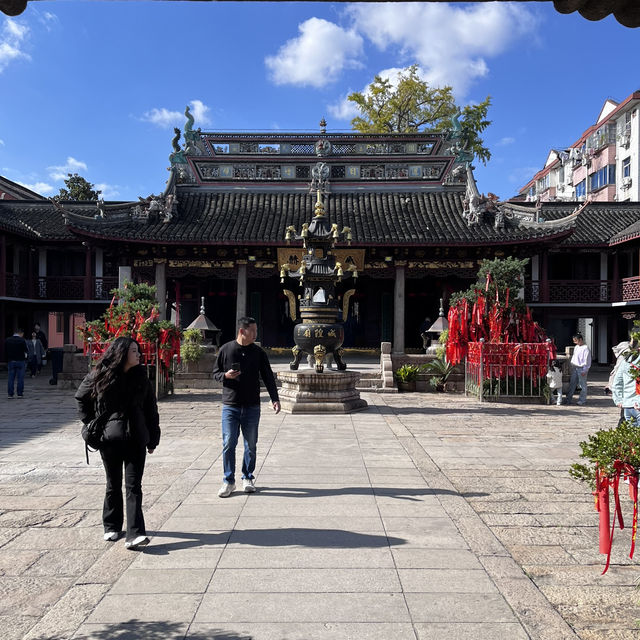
(97, 87)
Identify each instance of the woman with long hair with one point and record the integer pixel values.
(119, 386)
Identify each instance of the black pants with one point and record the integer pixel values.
(115, 457)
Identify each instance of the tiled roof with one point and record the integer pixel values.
(597, 224)
(426, 218)
(34, 219)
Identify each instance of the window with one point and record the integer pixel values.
(581, 189)
(543, 183)
(626, 167)
(602, 177)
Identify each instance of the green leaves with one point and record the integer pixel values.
(406, 373)
(603, 448)
(78, 189)
(414, 106)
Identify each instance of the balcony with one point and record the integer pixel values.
(58, 287)
(570, 291)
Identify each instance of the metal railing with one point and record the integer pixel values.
(506, 370)
(58, 287)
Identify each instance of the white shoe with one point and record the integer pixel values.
(226, 489)
(111, 536)
(140, 541)
(248, 484)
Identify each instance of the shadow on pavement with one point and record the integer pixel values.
(412, 495)
(138, 629)
(292, 536)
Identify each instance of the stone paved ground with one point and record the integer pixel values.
(426, 517)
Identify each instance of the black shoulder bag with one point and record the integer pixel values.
(93, 431)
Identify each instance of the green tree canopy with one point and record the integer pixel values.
(505, 274)
(78, 189)
(413, 106)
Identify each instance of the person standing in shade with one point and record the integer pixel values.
(16, 350)
(45, 344)
(239, 366)
(36, 353)
(580, 365)
(119, 386)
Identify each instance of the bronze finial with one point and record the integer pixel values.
(323, 126)
(319, 210)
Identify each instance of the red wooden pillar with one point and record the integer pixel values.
(88, 275)
(3, 265)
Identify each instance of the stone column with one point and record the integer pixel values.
(535, 278)
(398, 309)
(603, 347)
(604, 276)
(124, 273)
(98, 289)
(241, 291)
(42, 274)
(161, 288)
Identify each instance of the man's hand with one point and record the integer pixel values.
(276, 406)
(150, 451)
(232, 374)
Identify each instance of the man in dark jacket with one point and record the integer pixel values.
(16, 351)
(239, 366)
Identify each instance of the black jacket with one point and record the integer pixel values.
(133, 397)
(254, 364)
(16, 349)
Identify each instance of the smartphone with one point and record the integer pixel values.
(235, 366)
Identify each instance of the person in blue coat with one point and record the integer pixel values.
(623, 389)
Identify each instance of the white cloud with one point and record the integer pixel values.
(343, 109)
(317, 56)
(107, 191)
(1, 142)
(451, 44)
(12, 38)
(199, 110)
(162, 117)
(43, 188)
(503, 142)
(72, 166)
(165, 118)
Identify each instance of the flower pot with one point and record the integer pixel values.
(405, 387)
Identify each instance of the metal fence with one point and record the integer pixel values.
(507, 370)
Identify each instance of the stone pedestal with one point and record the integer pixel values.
(328, 392)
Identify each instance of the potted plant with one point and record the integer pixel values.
(192, 350)
(406, 376)
(439, 370)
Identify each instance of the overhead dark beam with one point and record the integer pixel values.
(626, 12)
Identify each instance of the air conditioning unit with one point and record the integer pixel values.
(626, 182)
(625, 140)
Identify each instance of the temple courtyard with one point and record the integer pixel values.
(428, 516)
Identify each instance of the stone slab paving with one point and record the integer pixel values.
(426, 517)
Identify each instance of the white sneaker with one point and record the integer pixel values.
(248, 484)
(226, 489)
(140, 541)
(111, 536)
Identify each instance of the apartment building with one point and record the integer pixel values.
(602, 165)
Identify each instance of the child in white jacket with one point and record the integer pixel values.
(554, 378)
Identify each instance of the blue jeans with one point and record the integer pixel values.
(632, 415)
(576, 378)
(233, 420)
(16, 369)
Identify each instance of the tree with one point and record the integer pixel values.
(413, 106)
(78, 189)
(504, 275)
